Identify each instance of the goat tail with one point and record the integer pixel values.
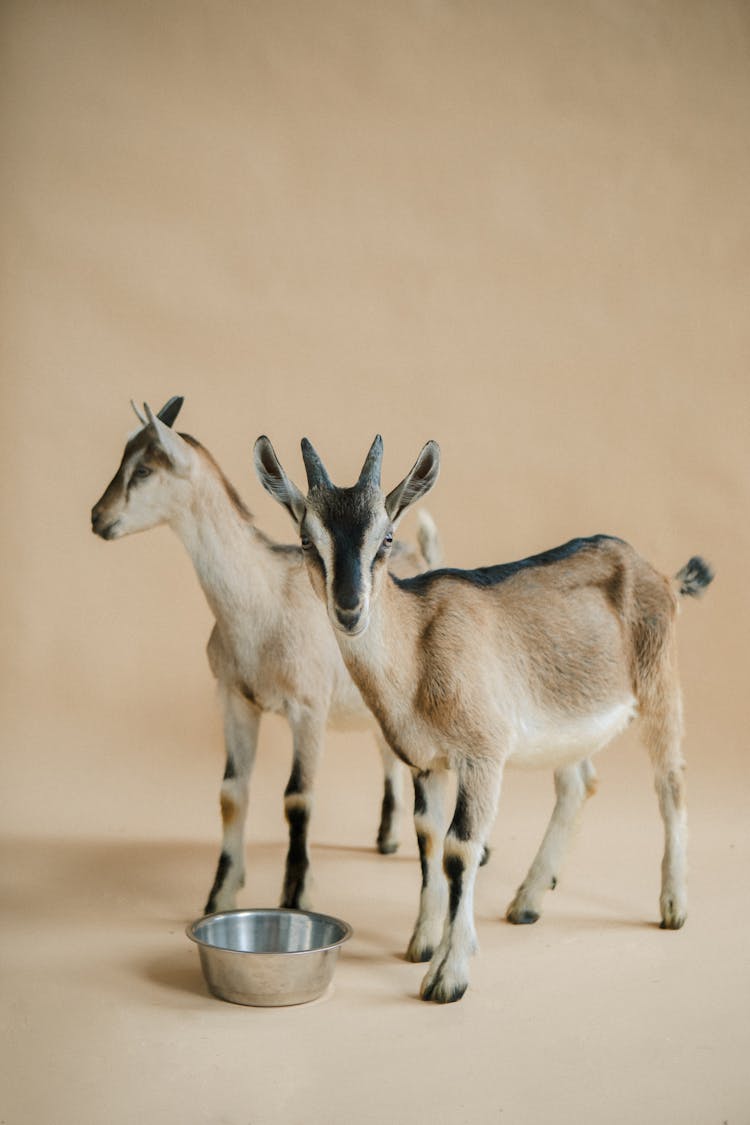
(428, 539)
(694, 577)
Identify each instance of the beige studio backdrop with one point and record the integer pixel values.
(518, 228)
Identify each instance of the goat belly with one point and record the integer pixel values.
(549, 742)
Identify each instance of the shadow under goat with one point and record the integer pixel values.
(271, 648)
(539, 662)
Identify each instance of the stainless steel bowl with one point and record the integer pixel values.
(268, 957)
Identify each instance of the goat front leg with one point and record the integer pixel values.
(393, 797)
(476, 803)
(241, 725)
(307, 731)
(573, 784)
(429, 821)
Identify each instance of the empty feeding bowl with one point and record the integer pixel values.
(268, 957)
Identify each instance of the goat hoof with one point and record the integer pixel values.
(522, 917)
(485, 857)
(673, 922)
(385, 847)
(673, 912)
(419, 954)
(439, 991)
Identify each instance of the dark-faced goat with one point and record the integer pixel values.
(540, 662)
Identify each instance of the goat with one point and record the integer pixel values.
(539, 662)
(270, 649)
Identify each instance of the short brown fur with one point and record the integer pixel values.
(541, 661)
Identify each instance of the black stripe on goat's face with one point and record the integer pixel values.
(141, 459)
(346, 537)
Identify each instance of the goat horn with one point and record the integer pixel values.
(316, 473)
(373, 461)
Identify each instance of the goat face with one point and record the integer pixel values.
(346, 536)
(346, 533)
(150, 482)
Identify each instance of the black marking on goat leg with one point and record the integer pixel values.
(225, 862)
(460, 825)
(423, 845)
(294, 784)
(385, 847)
(420, 798)
(230, 772)
(297, 863)
(298, 820)
(453, 866)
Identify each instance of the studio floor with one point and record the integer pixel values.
(520, 229)
(593, 1014)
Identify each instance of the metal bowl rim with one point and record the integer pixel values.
(270, 952)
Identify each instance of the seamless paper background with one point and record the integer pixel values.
(520, 229)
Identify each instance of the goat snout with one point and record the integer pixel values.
(349, 619)
(99, 525)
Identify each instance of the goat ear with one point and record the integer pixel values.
(415, 484)
(170, 410)
(170, 442)
(274, 479)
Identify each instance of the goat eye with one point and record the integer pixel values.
(142, 471)
(388, 541)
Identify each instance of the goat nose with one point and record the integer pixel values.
(348, 618)
(348, 600)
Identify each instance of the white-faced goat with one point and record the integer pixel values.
(538, 662)
(271, 648)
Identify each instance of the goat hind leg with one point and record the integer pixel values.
(573, 784)
(393, 796)
(662, 733)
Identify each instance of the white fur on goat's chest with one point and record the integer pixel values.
(409, 737)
